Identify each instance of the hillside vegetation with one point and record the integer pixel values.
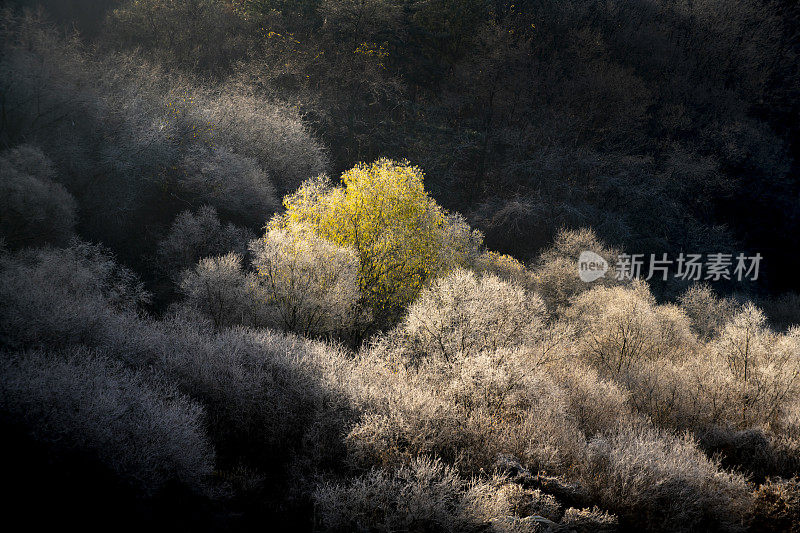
(312, 265)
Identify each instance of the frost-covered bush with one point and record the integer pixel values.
(139, 427)
(597, 404)
(515, 405)
(506, 268)
(426, 495)
(56, 297)
(589, 520)
(34, 210)
(402, 421)
(777, 506)
(218, 288)
(746, 377)
(231, 182)
(310, 285)
(504, 503)
(620, 327)
(757, 370)
(463, 314)
(271, 133)
(556, 270)
(465, 411)
(656, 481)
(195, 235)
(707, 311)
(270, 397)
(470, 410)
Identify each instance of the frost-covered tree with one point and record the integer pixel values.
(708, 312)
(56, 297)
(141, 428)
(464, 313)
(555, 272)
(194, 235)
(619, 327)
(310, 284)
(221, 290)
(760, 369)
(34, 210)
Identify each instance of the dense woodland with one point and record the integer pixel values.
(311, 265)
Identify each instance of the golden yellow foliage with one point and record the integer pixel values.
(402, 236)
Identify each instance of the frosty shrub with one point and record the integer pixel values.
(513, 405)
(506, 268)
(402, 421)
(752, 451)
(463, 313)
(596, 404)
(757, 372)
(594, 520)
(777, 506)
(310, 285)
(140, 428)
(636, 471)
(34, 210)
(266, 393)
(556, 270)
(232, 183)
(301, 283)
(465, 411)
(424, 495)
(648, 350)
(619, 327)
(271, 133)
(195, 235)
(506, 504)
(221, 290)
(57, 297)
(707, 311)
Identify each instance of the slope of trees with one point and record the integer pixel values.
(180, 349)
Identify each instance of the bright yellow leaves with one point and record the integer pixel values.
(372, 50)
(401, 235)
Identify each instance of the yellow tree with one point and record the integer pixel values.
(402, 236)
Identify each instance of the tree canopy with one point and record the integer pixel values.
(402, 236)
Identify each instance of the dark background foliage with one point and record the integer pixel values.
(667, 126)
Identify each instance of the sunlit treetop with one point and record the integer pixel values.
(402, 236)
